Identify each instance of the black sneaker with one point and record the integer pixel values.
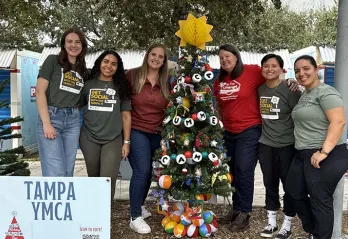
(283, 234)
(269, 231)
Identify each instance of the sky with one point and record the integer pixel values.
(303, 5)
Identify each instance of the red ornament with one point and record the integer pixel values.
(187, 79)
(172, 92)
(188, 154)
(207, 89)
(184, 171)
(164, 153)
(194, 116)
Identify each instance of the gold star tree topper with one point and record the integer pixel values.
(194, 31)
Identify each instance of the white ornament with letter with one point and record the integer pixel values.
(176, 89)
(177, 120)
(197, 157)
(167, 119)
(188, 122)
(196, 78)
(165, 160)
(212, 157)
(213, 120)
(201, 116)
(181, 80)
(181, 159)
(208, 75)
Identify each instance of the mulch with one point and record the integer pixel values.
(120, 223)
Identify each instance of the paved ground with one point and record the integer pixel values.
(123, 184)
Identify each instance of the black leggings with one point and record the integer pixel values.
(312, 189)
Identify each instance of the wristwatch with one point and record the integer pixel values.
(126, 141)
(322, 151)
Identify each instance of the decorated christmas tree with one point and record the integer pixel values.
(10, 164)
(191, 164)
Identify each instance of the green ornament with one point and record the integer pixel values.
(173, 157)
(204, 154)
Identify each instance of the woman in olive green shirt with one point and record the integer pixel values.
(106, 117)
(60, 81)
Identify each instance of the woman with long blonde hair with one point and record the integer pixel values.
(150, 91)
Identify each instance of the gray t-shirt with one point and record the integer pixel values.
(102, 115)
(276, 105)
(311, 123)
(63, 88)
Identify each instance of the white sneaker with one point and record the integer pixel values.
(139, 225)
(145, 213)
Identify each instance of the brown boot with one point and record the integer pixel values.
(241, 222)
(229, 217)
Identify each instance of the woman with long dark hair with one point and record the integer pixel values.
(321, 158)
(60, 81)
(106, 117)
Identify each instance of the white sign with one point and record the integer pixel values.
(55, 208)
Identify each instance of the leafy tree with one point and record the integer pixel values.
(20, 24)
(10, 164)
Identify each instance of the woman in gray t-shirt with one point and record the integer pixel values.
(321, 159)
(105, 132)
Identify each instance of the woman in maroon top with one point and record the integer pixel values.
(149, 100)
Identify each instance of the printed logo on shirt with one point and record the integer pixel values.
(71, 81)
(101, 99)
(228, 91)
(269, 107)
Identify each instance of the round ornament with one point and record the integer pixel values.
(213, 226)
(205, 230)
(165, 160)
(181, 80)
(176, 89)
(186, 219)
(194, 116)
(208, 75)
(178, 206)
(173, 157)
(177, 120)
(188, 154)
(187, 79)
(186, 102)
(192, 231)
(169, 227)
(201, 116)
(196, 78)
(197, 221)
(184, 171)
(165, 220)
(213, 120)
(175, 216)
(208, 216)
(205, 154)
(197, 157)
(180, 159)
(179, 230)
(188, 122)
(213, 157)
(165, 181)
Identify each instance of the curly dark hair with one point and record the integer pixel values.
(80, 59)
(119, 77)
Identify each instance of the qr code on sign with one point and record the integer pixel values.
(86, 236)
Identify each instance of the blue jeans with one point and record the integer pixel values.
(243, 150)
(143, 146)
(57, 156)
